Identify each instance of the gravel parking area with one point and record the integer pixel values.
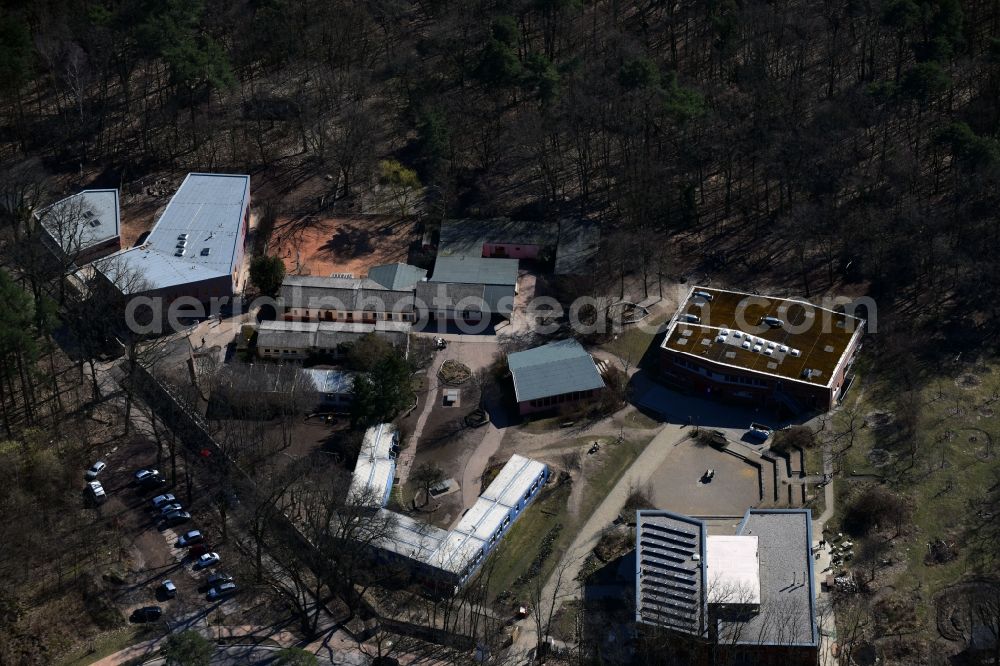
(677, 484)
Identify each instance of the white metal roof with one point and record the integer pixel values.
(375, 469)
(514, 480)
(733, 570)
(82, 220)
(206, 213)
(483, 520)
(457, 552)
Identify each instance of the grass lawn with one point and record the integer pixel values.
(944, 473)
(631, 344)
(526, 539)
(108, 643)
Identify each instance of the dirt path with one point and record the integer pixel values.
(476, 464)
(409, 452)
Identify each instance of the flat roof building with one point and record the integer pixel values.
(552, 375)
(309, 298)
(196, 248)
(749, 596)
(296, 340)
(84, 226)
(782, 353)
(451, 557)
(375, 469)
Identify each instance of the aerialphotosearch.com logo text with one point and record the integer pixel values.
(438, 308)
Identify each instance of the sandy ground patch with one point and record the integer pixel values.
(321, 246)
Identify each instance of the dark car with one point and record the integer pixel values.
(176, 518)
(190, 538)
(151, 480)
(168, 509)
(146, 614)
(206, 560)
(222, 591)
(218, 579)
(167, 589)
(215, 580)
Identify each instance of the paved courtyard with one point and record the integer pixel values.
(677, 483)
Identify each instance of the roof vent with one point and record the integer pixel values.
(88, 214)
(695, 556)
(179, 252)
(95, 222)
(182, 237)
(205, 251)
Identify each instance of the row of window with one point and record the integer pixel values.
(720, 376)
(366, 317)
(559, 399)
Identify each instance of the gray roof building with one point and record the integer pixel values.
(453, 297)
(475, 270)
(671, 581)
(306, 335)
(754, 589)
(787, 614)
(399, 277)
(347, 294)
(198, 237)
(467, 237)
(83, 220)
(553, 369)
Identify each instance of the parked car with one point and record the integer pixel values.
(97, 492)
(160, 500)
(218, 578)
(146, 614)
(759, 433)
(190, 538)
(773, 322)
(152, 483)
(167, 589)
(176, 518)
(690, 318)
(206, 560)
(94, 470)
(223, 590)
(170, 508)
(704, 295)
(145, 473)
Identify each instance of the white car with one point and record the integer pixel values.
(94, 470)
(97, 491)
(206, 560)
